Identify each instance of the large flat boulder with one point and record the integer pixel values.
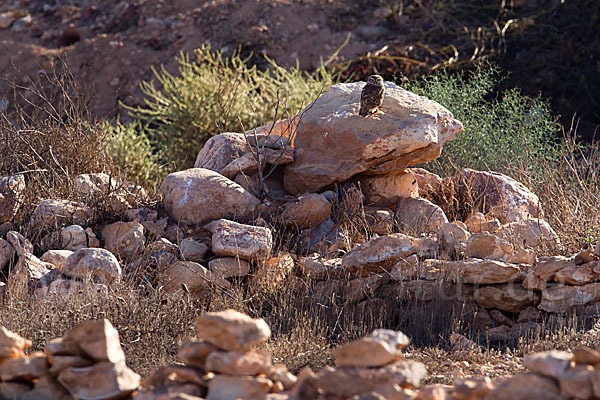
(199, 195)
(333, 142)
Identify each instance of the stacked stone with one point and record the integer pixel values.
(223, 363)
(373, 365)
(87, 363)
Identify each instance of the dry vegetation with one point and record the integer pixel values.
(51, 139)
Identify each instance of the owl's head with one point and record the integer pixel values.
(376, 80)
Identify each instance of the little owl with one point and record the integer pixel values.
(371, 96)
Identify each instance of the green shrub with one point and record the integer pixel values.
(215, 94)
(508, 132)
(130, 149)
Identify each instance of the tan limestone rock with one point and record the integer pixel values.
(529, 233)
(307, 211)
(379, 254)
(11, 344)
(98, 340)
(194, 353)
(526, 256)
(333, 142)
(14, 390)
(174, 374)
(453, 238)
(317, 267)
(419, 216)
(503, 197)
(6, 253)
(381, 347)
(30, 274)
(99, 264)
(58, 363)
(124, 239)
(193, 250)
(484, 272)
(578, 274)
(563, 298)
(274, 271)
(511, 298)
(223, 387)
(56, 257)
(526, 387)
(576, 382)
(47, 388)
(586, 356)
(486, 245)
(33, 366)
(408, 269)
(190, 276)
(103, 380)
(54, 213)
(232, 330)
(552, 363)
(473, 388)
(350, 381)
(379, 220)
(228, 267)
(220, 150)
(360, 288)
(253, 362)
(19, 243)
(190, 197)
(233, 239)
(545, 270)
(387, 189)
(246, 165)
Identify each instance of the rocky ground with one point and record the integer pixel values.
(342, 218)
(550, 47)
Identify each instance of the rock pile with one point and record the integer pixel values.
(222, 363)
(86, 363)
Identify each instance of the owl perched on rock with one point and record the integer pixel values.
(371, 96)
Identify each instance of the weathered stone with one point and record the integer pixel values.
(317, 267)
(14, 390)
(486, 245)
(381, 347)
(511, 298)
(503, 197)
(253, 362)
(482, 272)
(19, 243)
(586, 355)
(473, 388)
(174, 391)
(417, 290)
(98, 340)
(73, 237)
(388, 189)
(274, 271)
(529, 233)
(281, 156)
(280, 373)
(99, 264)
(350, 381)
(576, 382)
(190, 276)
(232, 330)
(502, 319)
(381, 253)
(428, 182)
(124, 239)
(58, 363)
(92, 239)
(47, 388)
(103, 380)
(246, 164)
(174, 374)
(461, 342)
(545, 270)
(190, 197)
(379, 220)
(407, 269)
(31, 367)
(307, 211)
(30, 274)
(194, 353)
(477, 223)
(220, 150)
(578, 274)
(419, 216)
(526, 387)
(246, 241)
(530, 314)
(54, 213)
(526, 256)
(228, 267)
(193, 250)
(552, 363)
(158, 254)
(563, 298)
(62, 347)
(6, 253)
(11, 189)
(329, 290)
(453, 238)
(223, 387)
(60, 289)
(333, 142)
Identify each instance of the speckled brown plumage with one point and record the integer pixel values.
(371, 96)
